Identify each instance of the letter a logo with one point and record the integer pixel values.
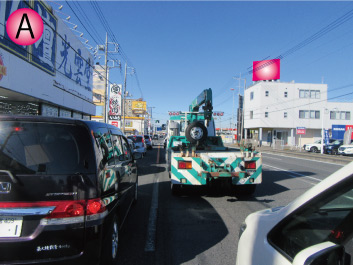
(24, 26)
(24, 16)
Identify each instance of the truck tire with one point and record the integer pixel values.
(244, 190)
(313, 149)
(196, 132)
(175, 189)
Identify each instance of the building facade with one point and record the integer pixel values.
(52, 77)
(274, 111)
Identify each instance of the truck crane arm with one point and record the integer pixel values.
(204, 98)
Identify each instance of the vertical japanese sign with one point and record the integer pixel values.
(6, 9)
(74, 62)
(115, 102)
(43, 51)
(326, 140)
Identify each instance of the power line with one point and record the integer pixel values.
(333, 25)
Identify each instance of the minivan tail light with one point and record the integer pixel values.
(95, 206)
(66, 209)
(250, 165)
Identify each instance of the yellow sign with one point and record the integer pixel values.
(139, 106)
(133, 118)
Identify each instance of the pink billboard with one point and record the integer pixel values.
(266, 70)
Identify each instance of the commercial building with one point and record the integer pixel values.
(274, 110)
(52, 77)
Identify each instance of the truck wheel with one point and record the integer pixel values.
(176, 189)
(313, 149)
(196, 132)
(244, 190)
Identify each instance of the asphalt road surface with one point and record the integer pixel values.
(203, 228)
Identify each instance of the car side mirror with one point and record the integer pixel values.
(137, 155)
(326, 253)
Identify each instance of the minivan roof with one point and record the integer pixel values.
(88, 123)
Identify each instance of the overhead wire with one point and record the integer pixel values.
(105, 24)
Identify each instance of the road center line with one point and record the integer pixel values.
(152, 220)
(295, 173)
(158, 151)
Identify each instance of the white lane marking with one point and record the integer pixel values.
(152, 220)
(274, 158)
(306, 181)
(306, 159)
(293, 172)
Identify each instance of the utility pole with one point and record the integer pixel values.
(105, 115)
(241, 119)
(123, 102)
(105, 47)
(232, 89)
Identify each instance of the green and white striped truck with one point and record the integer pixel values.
(196, 156)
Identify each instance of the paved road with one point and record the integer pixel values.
(199, 228)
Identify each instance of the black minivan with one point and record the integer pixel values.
(65, 189)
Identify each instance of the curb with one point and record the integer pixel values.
(342, 160)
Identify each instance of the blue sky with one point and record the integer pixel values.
(181, 48)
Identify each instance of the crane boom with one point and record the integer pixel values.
(204, 98)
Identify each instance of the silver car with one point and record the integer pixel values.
(139, 141)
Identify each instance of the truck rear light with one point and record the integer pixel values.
(184, 165)
(250, 165)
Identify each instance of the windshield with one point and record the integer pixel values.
(45, 148)
(337, 142)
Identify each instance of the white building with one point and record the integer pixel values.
(273, 110)
(52, 77)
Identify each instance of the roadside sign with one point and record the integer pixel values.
(326, 141)
(301, 130)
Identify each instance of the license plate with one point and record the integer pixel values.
(10, 226)
(251, 171)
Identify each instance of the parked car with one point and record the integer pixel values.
(132, 145)
(61, 182)
(148, 141)
(314, 227)
(345, 149)
(316, 146)
(139, 142)
(333, 147)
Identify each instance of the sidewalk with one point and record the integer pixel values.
(337, 159)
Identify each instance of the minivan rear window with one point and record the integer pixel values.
(136, 139)
(45, 148)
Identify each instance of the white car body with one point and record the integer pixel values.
(254, 247)
(345, 149)
(316, 144)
